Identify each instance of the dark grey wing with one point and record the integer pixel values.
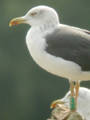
(70, 44)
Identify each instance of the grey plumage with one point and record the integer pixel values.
(71, 44)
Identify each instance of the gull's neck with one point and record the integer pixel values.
(39, 31)
(47, 26)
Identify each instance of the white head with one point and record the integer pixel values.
(37, 16)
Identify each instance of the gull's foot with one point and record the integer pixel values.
(56, 102)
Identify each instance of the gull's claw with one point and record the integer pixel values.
(54, 103)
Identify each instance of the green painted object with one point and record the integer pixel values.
(72, 103)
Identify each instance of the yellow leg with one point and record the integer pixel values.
(54, 103)
(72, 98)
(77, 85)
(72, 88)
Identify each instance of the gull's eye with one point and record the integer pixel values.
(33, 13)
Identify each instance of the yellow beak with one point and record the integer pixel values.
(17, 21)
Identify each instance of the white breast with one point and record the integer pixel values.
(55, 65)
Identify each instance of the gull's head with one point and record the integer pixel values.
(37, 16)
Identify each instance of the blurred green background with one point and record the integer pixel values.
(26, 90)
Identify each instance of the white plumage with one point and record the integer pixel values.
(44, 21)
(59, 49)
(41, 26)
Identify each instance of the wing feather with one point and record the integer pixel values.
(70, 43)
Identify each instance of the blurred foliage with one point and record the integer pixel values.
(26, 90)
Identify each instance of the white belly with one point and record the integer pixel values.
(55, 65)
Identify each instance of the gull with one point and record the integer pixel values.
(83, 102)
(60, 49)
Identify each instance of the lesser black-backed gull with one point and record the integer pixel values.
(60, 49)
